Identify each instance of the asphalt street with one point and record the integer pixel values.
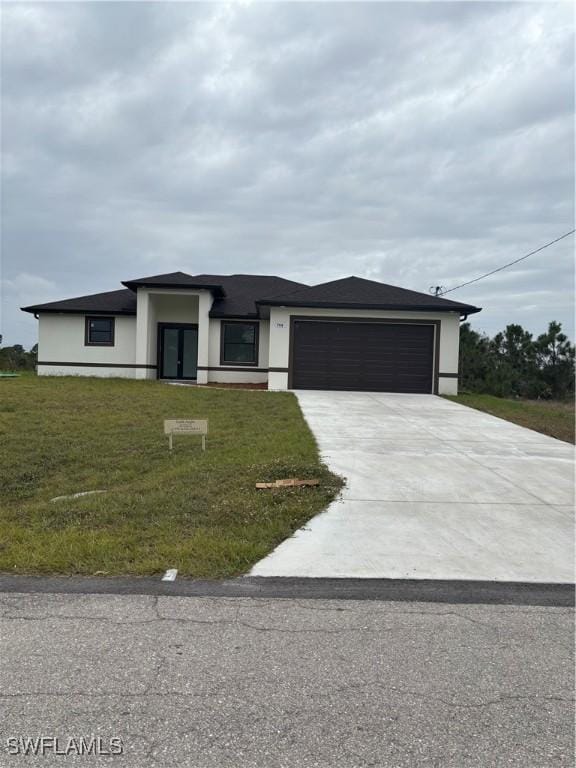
(237, 682)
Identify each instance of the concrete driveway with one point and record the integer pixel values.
(434, 490)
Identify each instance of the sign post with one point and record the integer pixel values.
(186, 427)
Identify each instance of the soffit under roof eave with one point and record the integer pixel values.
(462, 309)
(216, 290)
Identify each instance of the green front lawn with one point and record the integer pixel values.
(198, 512)
(554, 418)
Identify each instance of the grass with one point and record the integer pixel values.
(551, 417)
(198, 512)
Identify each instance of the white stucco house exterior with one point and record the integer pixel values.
(348, 334)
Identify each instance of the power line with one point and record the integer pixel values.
(510, 264)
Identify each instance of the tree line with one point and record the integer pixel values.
(515, 364)
(16, 358)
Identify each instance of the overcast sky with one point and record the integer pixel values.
(413, 143)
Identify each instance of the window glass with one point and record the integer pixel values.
(170, 353)
(100, 330)
(240, 333)
(189, 352)
(239, 343)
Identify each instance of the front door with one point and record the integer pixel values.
(177, 351)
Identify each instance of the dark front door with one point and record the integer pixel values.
(177, 351)
(377, 357)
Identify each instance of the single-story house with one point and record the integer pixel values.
(348, 334)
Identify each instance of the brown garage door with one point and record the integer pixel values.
(374, 357)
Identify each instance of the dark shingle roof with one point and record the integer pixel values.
(234, 295)
(121, 302)
(240, 295)
(244, 291)
(177, 280)
(350, 292)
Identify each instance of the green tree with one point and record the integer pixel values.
(514, 364)
(15, 358)
(474, 359)
(515, 361)
(555, 356)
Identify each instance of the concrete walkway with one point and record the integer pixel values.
(434, 490)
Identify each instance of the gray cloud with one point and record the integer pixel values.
(414, 143)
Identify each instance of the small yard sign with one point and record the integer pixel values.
(186, 427)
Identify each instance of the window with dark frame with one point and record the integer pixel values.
(239, 343)
(99, 332)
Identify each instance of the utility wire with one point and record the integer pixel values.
(449, 290)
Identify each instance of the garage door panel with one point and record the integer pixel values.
(380, 357)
